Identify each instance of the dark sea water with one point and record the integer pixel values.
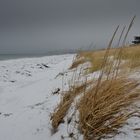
(16, 56)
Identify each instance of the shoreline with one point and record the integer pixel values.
(26, 98)
(22, 56)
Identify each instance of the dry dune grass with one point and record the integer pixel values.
(130, 54)
(61, 110)
(67, 99)
(104, 112)
(104, 107)
(77, 62)
(94, 57)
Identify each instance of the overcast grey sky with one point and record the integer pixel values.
(36, 26)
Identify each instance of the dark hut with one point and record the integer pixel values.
(136, 40)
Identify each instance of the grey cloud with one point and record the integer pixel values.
(43, 25)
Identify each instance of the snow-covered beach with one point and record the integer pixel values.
(26, 99)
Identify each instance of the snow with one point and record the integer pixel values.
(127, 131)
(27, 99)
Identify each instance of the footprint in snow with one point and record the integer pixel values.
(6, 114)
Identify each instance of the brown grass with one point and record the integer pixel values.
(130, 54)
(76, 63)
(61, 110)
(105, 106)
(103, 113)
(64, 105)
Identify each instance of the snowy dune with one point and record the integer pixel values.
(26, 99)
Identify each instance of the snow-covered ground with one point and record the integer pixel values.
(26, 98)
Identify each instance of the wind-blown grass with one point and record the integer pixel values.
(104, 112)
(105, 106)
(64, 105)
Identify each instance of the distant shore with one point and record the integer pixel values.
(17, 56)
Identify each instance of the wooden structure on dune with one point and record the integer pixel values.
(136, 40)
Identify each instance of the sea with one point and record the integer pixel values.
(17, 56)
